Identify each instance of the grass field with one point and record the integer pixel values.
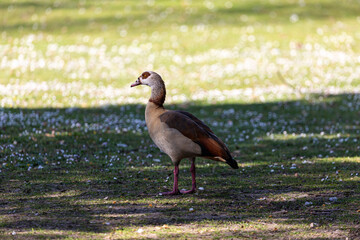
(278, 81)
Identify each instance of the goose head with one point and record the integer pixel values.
(148, 78)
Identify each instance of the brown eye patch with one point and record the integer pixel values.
(145, 75)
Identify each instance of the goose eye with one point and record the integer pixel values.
(145, 75)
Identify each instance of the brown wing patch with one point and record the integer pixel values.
(181, 123)
(211, 148)
(195, 119)
(145, 75)
(197, 131)
(193, 128)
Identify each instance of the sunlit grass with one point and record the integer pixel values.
(83, 46)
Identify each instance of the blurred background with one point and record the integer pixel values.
(86, 53)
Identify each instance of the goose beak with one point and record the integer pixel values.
(136, 83)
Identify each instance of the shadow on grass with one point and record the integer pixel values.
(98, 175)
(309, 10)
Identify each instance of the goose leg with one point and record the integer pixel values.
(175, 190)
(193, 177)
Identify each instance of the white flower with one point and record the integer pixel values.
(294, 18)
(333, 199)
(121, 145)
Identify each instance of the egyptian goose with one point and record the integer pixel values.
(179, 134)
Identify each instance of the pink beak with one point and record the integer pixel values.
(137, 82)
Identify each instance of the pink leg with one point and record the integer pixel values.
(175, 190)
(193, 176)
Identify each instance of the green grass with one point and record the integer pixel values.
(276, 80)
